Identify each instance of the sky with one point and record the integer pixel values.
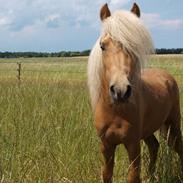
(71, 25)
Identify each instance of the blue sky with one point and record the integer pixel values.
(55, 25)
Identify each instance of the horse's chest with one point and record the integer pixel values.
(116, 131)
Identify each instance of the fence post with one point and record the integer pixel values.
(19, 70)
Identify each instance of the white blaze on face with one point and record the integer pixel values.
(119, 79)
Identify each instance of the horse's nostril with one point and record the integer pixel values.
(118, 95)
(112, 89)
(129, 88)
(128, 92)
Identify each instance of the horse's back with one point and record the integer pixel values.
(160, 82)
(161, 98)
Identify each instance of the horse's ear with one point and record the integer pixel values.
(136, 10)
(104, 12)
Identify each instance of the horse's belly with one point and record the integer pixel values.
(153, 120)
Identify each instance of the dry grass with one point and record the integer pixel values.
(46, 125)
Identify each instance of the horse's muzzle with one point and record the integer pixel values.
(118, 95)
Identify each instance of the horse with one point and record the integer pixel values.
(130, 102)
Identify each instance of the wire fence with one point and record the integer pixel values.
(73, 68)
(31, 69)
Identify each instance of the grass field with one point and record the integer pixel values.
(46, 125)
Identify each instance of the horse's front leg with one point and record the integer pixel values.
(108, 152)
(134, 157)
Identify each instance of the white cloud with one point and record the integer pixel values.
(116, 4)
(52, 17)
(53, 20)
(54, 13)
(172, 23)
(154, 20)
(4, 21)
(34, 24)
(18, 14)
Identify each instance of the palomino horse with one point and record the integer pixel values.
(130, 103)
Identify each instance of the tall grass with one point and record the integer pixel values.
(46, 127)
(46, 133)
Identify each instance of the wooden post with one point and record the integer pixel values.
(19, 71)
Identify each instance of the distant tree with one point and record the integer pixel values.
(169, 51)
(85, 53)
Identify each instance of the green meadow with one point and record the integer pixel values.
(46, 125)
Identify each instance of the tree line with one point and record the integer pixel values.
(44, 54)
(73, 53)
(169, 51)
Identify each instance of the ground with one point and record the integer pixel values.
(46, 124)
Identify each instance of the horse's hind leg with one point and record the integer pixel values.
(175, 141)
(174, 136)
(153, 146)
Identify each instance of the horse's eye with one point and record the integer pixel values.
(102, 46)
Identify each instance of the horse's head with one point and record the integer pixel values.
(120, 68)
(115, 60)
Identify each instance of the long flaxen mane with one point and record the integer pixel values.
(129, 30)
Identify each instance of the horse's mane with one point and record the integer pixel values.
(129, 30)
